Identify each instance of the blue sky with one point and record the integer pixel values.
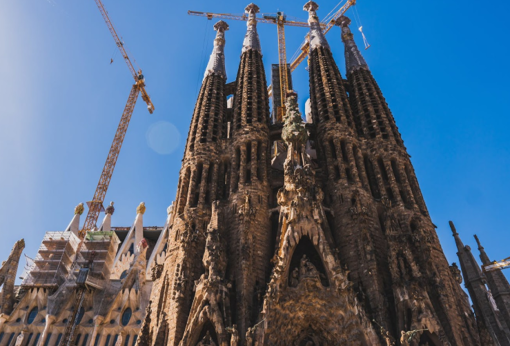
(441, 66)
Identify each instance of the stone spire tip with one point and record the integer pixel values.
(317, 38)
(216, 63)
(311, 6)
(221, 26)
(251, 39)
(252, 8)
(343, 21)
(452, 227)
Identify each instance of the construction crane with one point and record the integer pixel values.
(96, 205)
(503, 264)
(280, 19)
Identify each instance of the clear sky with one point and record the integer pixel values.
(440, 64)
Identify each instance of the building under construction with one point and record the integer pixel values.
(48, 307)
(284, 231)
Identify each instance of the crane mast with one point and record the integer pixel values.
(96, 205)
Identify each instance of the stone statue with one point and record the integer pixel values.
(119, 341)
(294, 278)
(249, 336)
(19, 339)
(207, 340)
(407, 337)
(234, 338)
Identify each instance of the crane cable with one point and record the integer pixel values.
(360, 27)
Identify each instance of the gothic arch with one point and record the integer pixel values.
(205, 316)
(305, 247)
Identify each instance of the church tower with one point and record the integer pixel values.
(329, 242)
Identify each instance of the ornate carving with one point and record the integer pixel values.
(141, 208)
(78, 210)
(110, 209)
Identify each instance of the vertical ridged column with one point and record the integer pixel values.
(398, 200)
(250, 229)
(173, 293)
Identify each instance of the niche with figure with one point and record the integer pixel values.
(306, 263)
(207, 335)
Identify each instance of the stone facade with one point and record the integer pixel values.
(283, 233)
(301, 233)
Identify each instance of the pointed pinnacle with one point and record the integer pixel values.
(478, 242)
(452, 227)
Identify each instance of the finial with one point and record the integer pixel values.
(110, 209)
(78, 210)
(353, 58)
(251, 39)
(141, 208)
(311, 6)
(221, 26)
(317, 38)
(216, 63)
(452, 227)
(478, 242)
(252, 8)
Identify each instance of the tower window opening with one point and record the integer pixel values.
(333, 150)
(337, 172)
(248, 175)
(372, 181)
(183, 198)
(396, 171)
(384, 174)
(344, 151)
(248, 152)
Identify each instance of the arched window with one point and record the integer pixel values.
(1, 336)
(131, 249)
(29, 338)
(47, 341)
(79, 317)
(126, 316)
(10, 338)
(124, 274)
(59, 337)
(108, 337)
(37, 339)
(85, 339)
(96, 342)
(78, 337)
(134, 339)
(126, 342)
(32, 315)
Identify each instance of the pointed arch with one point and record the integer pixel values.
(305, 247)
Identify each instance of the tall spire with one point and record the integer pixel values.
(353, 58)
(483, 255)
(317, 38)
(251, 39)
(216, 63)
(458, 241)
